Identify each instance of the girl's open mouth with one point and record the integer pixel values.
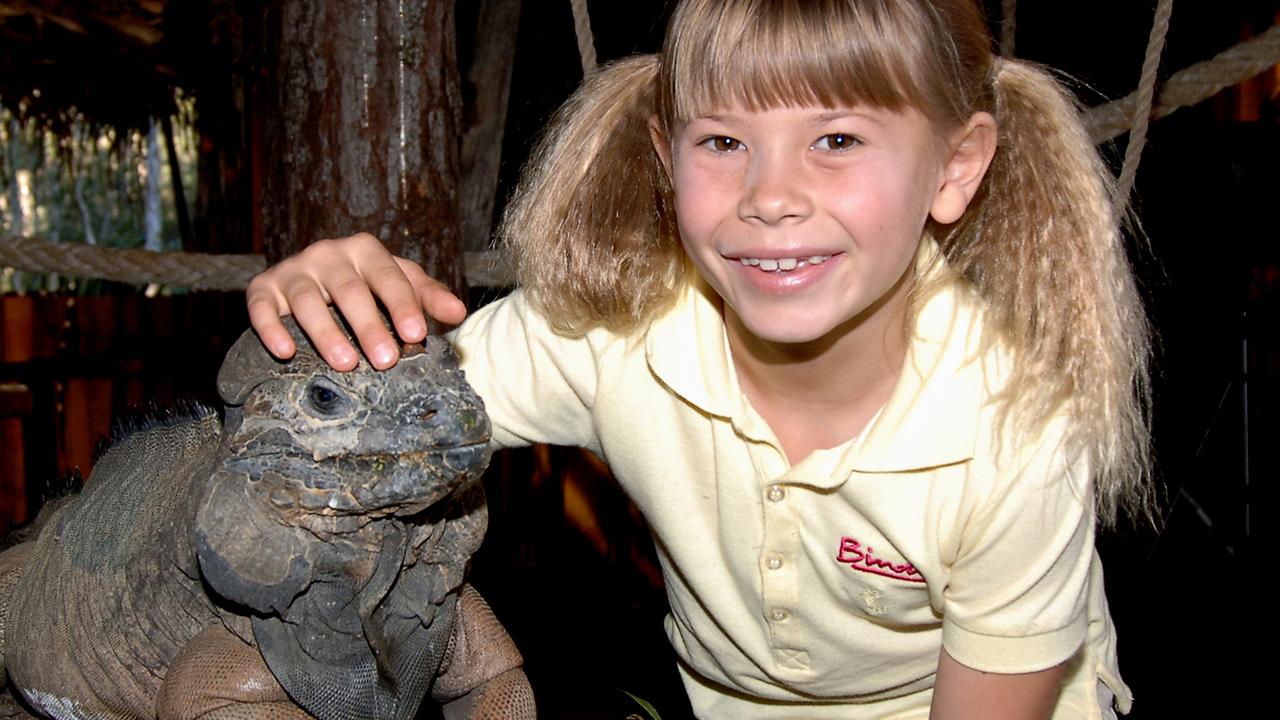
(783, 264)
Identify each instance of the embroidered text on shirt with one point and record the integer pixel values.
(853, 554)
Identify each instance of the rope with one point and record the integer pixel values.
(1145, 98)
(198, 271)
(1008, 26)
(586, 41)
(1190, 85)
(1186, 87)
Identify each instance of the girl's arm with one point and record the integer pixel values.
(962, 693)
(349, 273)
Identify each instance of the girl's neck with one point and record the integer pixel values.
(822, 393)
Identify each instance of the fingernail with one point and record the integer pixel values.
(341, 356)
(384, 355)
(415, 327)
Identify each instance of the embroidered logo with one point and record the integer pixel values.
(853, 554)
(871, 598)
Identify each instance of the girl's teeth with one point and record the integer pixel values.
(783, 264)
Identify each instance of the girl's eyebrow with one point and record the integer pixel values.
(826, 117)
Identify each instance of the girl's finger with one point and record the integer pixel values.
(354, 299)
(312, 314)
(265, 306)
(432, 295)
(394, 288)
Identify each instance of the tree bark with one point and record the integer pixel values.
(175, 176)
(362, 128)
(490, 78)
(153, 213)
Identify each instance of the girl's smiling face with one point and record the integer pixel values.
(806, 219)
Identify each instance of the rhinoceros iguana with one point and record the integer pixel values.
(304, 558)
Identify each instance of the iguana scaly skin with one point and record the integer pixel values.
(307, 558)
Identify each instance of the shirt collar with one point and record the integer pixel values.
(687, 349)
(931, 417)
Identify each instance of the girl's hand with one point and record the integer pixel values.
(350, 273)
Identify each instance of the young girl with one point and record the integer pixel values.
(840, 298)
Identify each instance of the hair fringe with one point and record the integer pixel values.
(1042, 244)
(590, 227)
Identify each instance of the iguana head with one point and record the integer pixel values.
(327, 513)
(315, 441)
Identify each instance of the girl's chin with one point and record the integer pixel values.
(785, 330)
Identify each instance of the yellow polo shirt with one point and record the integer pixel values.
(824, 589)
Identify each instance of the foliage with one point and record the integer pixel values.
(645, 705)
(81, 183)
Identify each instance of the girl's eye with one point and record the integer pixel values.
(722, 144)
(836, 141)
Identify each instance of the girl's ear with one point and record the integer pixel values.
(971, 148)
(660, 144)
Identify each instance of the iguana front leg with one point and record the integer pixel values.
(12, 562)
(218, 676)
(481, 676)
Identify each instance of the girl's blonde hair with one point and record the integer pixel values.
(594, 240)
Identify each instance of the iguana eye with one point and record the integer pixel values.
(325, 400)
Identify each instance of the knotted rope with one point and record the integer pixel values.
(1190, 85)
(586, 41)
(198, 271)
(1008, 26)
(1146, 94)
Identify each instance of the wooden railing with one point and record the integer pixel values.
(70, 366)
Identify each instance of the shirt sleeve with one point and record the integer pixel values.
(1017, 596)
(537, 386)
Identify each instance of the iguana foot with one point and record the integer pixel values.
(502, 698)
(482, 678)
(217, 676)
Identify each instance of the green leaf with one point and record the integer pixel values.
(653, 712)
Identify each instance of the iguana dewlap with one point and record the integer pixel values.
(304, 558)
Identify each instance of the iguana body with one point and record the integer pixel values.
(308, 556)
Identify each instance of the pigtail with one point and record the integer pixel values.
(1045, 249)
(590, 228)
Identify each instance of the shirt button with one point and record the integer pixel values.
(776, 493)
(777, 614)
(774, 562)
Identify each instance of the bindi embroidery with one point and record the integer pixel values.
(853, 554)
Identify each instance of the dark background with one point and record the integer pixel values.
(582, 598)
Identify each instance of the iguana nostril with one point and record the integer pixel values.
(427, 415)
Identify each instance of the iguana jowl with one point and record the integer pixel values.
(304, 558)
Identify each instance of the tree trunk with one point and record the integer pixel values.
(153, 213)
(17, 223)
(224, 78)
(489, 78)
(362, 126)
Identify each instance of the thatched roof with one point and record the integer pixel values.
(115, 61)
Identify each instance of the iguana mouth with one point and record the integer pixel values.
(376, 484)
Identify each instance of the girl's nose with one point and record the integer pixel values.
(774, 191)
